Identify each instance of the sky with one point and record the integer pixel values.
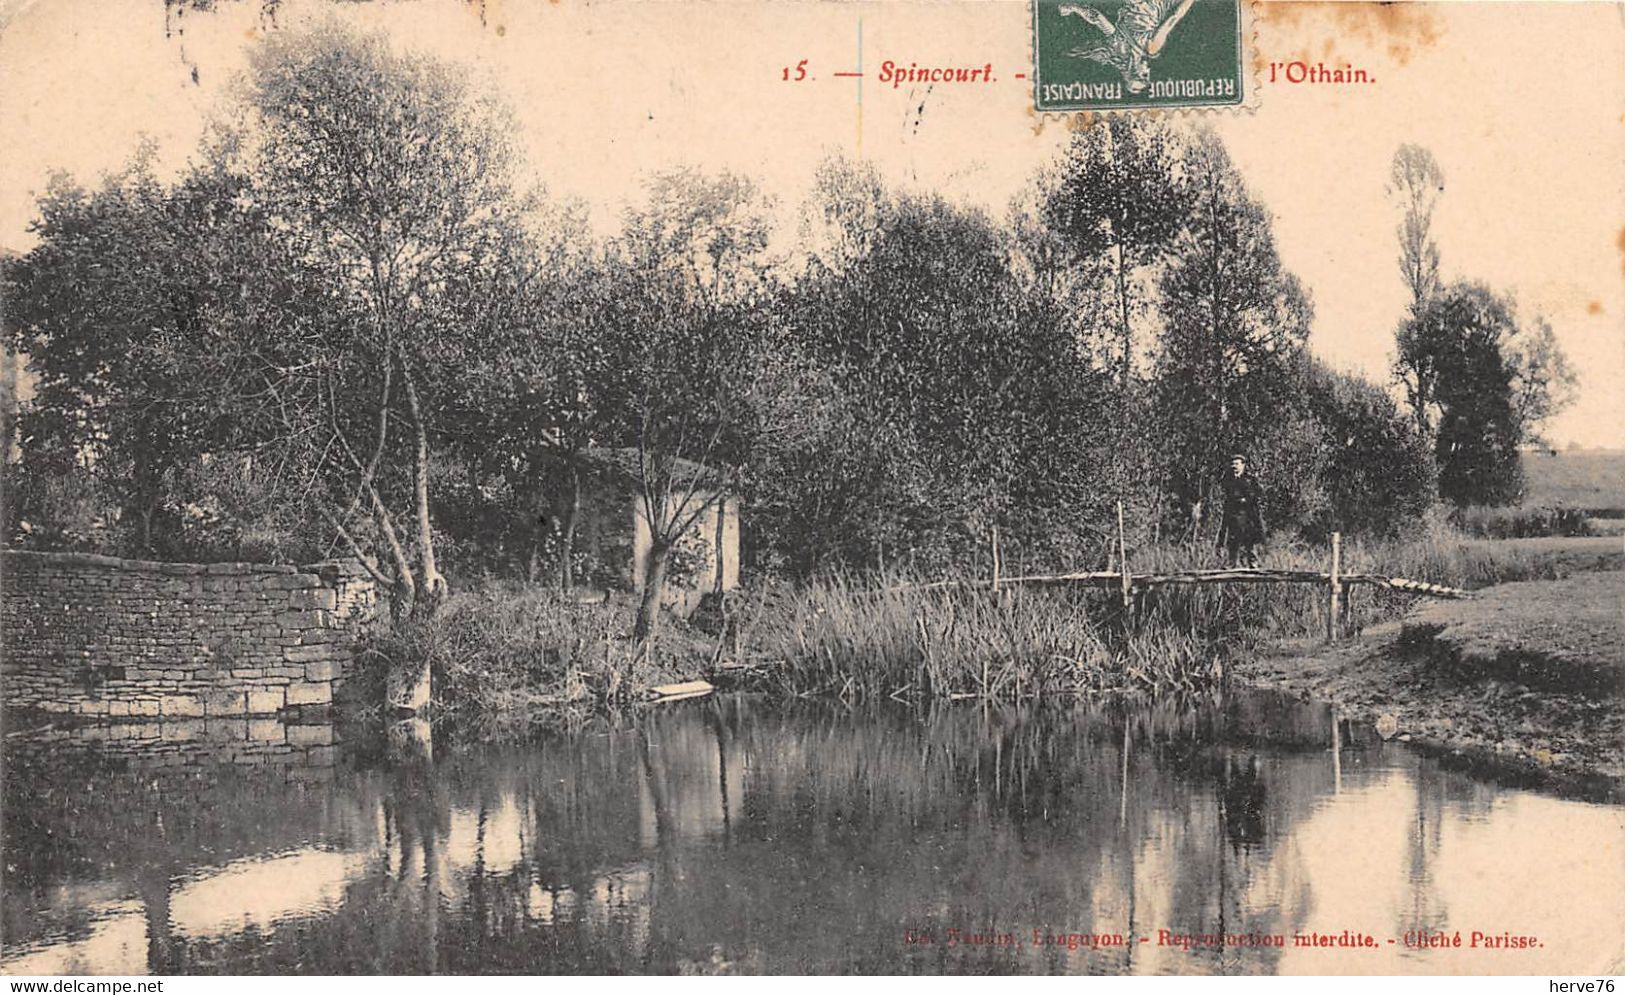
(1520, 103)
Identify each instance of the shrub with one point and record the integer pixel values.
(1520, 523)
(505, 651)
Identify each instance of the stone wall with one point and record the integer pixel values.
(97, 635)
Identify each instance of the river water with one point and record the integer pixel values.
(735, 835)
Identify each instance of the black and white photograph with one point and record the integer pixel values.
(811, 487)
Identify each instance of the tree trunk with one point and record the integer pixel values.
(406, 686)
(145, 514)
(403, 592)
(567, 542)
(1125, 330)
(654, 585)
(409, 686)
(538, 533)
(431, 585)
(719, 560)
(1124, 373)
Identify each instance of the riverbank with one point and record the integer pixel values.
(505, 656)
(1528, 677)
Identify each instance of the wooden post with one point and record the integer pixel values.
(1333, 610)
(1122, 558)
(994, 541)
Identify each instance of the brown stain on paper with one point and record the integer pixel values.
(1400, 29)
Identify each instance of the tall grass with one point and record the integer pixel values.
(1449, 558)
(842, 636)
(849, 637)
(508, 651)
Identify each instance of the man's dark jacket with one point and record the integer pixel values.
(1242, 523)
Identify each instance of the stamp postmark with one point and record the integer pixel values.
(1102, 55)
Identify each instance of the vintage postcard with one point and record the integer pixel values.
(1029, 487)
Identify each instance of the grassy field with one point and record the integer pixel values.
(1590, 478)
(1562, 635)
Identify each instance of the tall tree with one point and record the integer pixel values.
(1415, 182)
(1457, 339)
(1235, 323)
(960, 400)
(524, 416)
(1377, 474)
(1543, 381)
(89, 307)
(137, 309)
(294, 299)
(393, 175)
(685, 334)
(1113, 207)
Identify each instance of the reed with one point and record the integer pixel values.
(855, 638)
(505, 652)
(841, 636)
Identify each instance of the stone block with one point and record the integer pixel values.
(224, 701)
(300, 619)
(317, 598)
(227, 729)
(265, 702)
(144, 707)
(307, 654)
(183, 729)
(321, 670)
(310, 735)
(265, 731)
(180, 704)
(307, 693)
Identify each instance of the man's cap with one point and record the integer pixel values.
(1236, 456)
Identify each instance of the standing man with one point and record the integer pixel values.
(1241, 528)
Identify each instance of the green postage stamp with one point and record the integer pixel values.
(1095, 55)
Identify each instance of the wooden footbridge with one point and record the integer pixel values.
(1333, 579)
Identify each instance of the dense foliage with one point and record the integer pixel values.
(1479, 382)
(345, 327)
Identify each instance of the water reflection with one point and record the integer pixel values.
(731, 836)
